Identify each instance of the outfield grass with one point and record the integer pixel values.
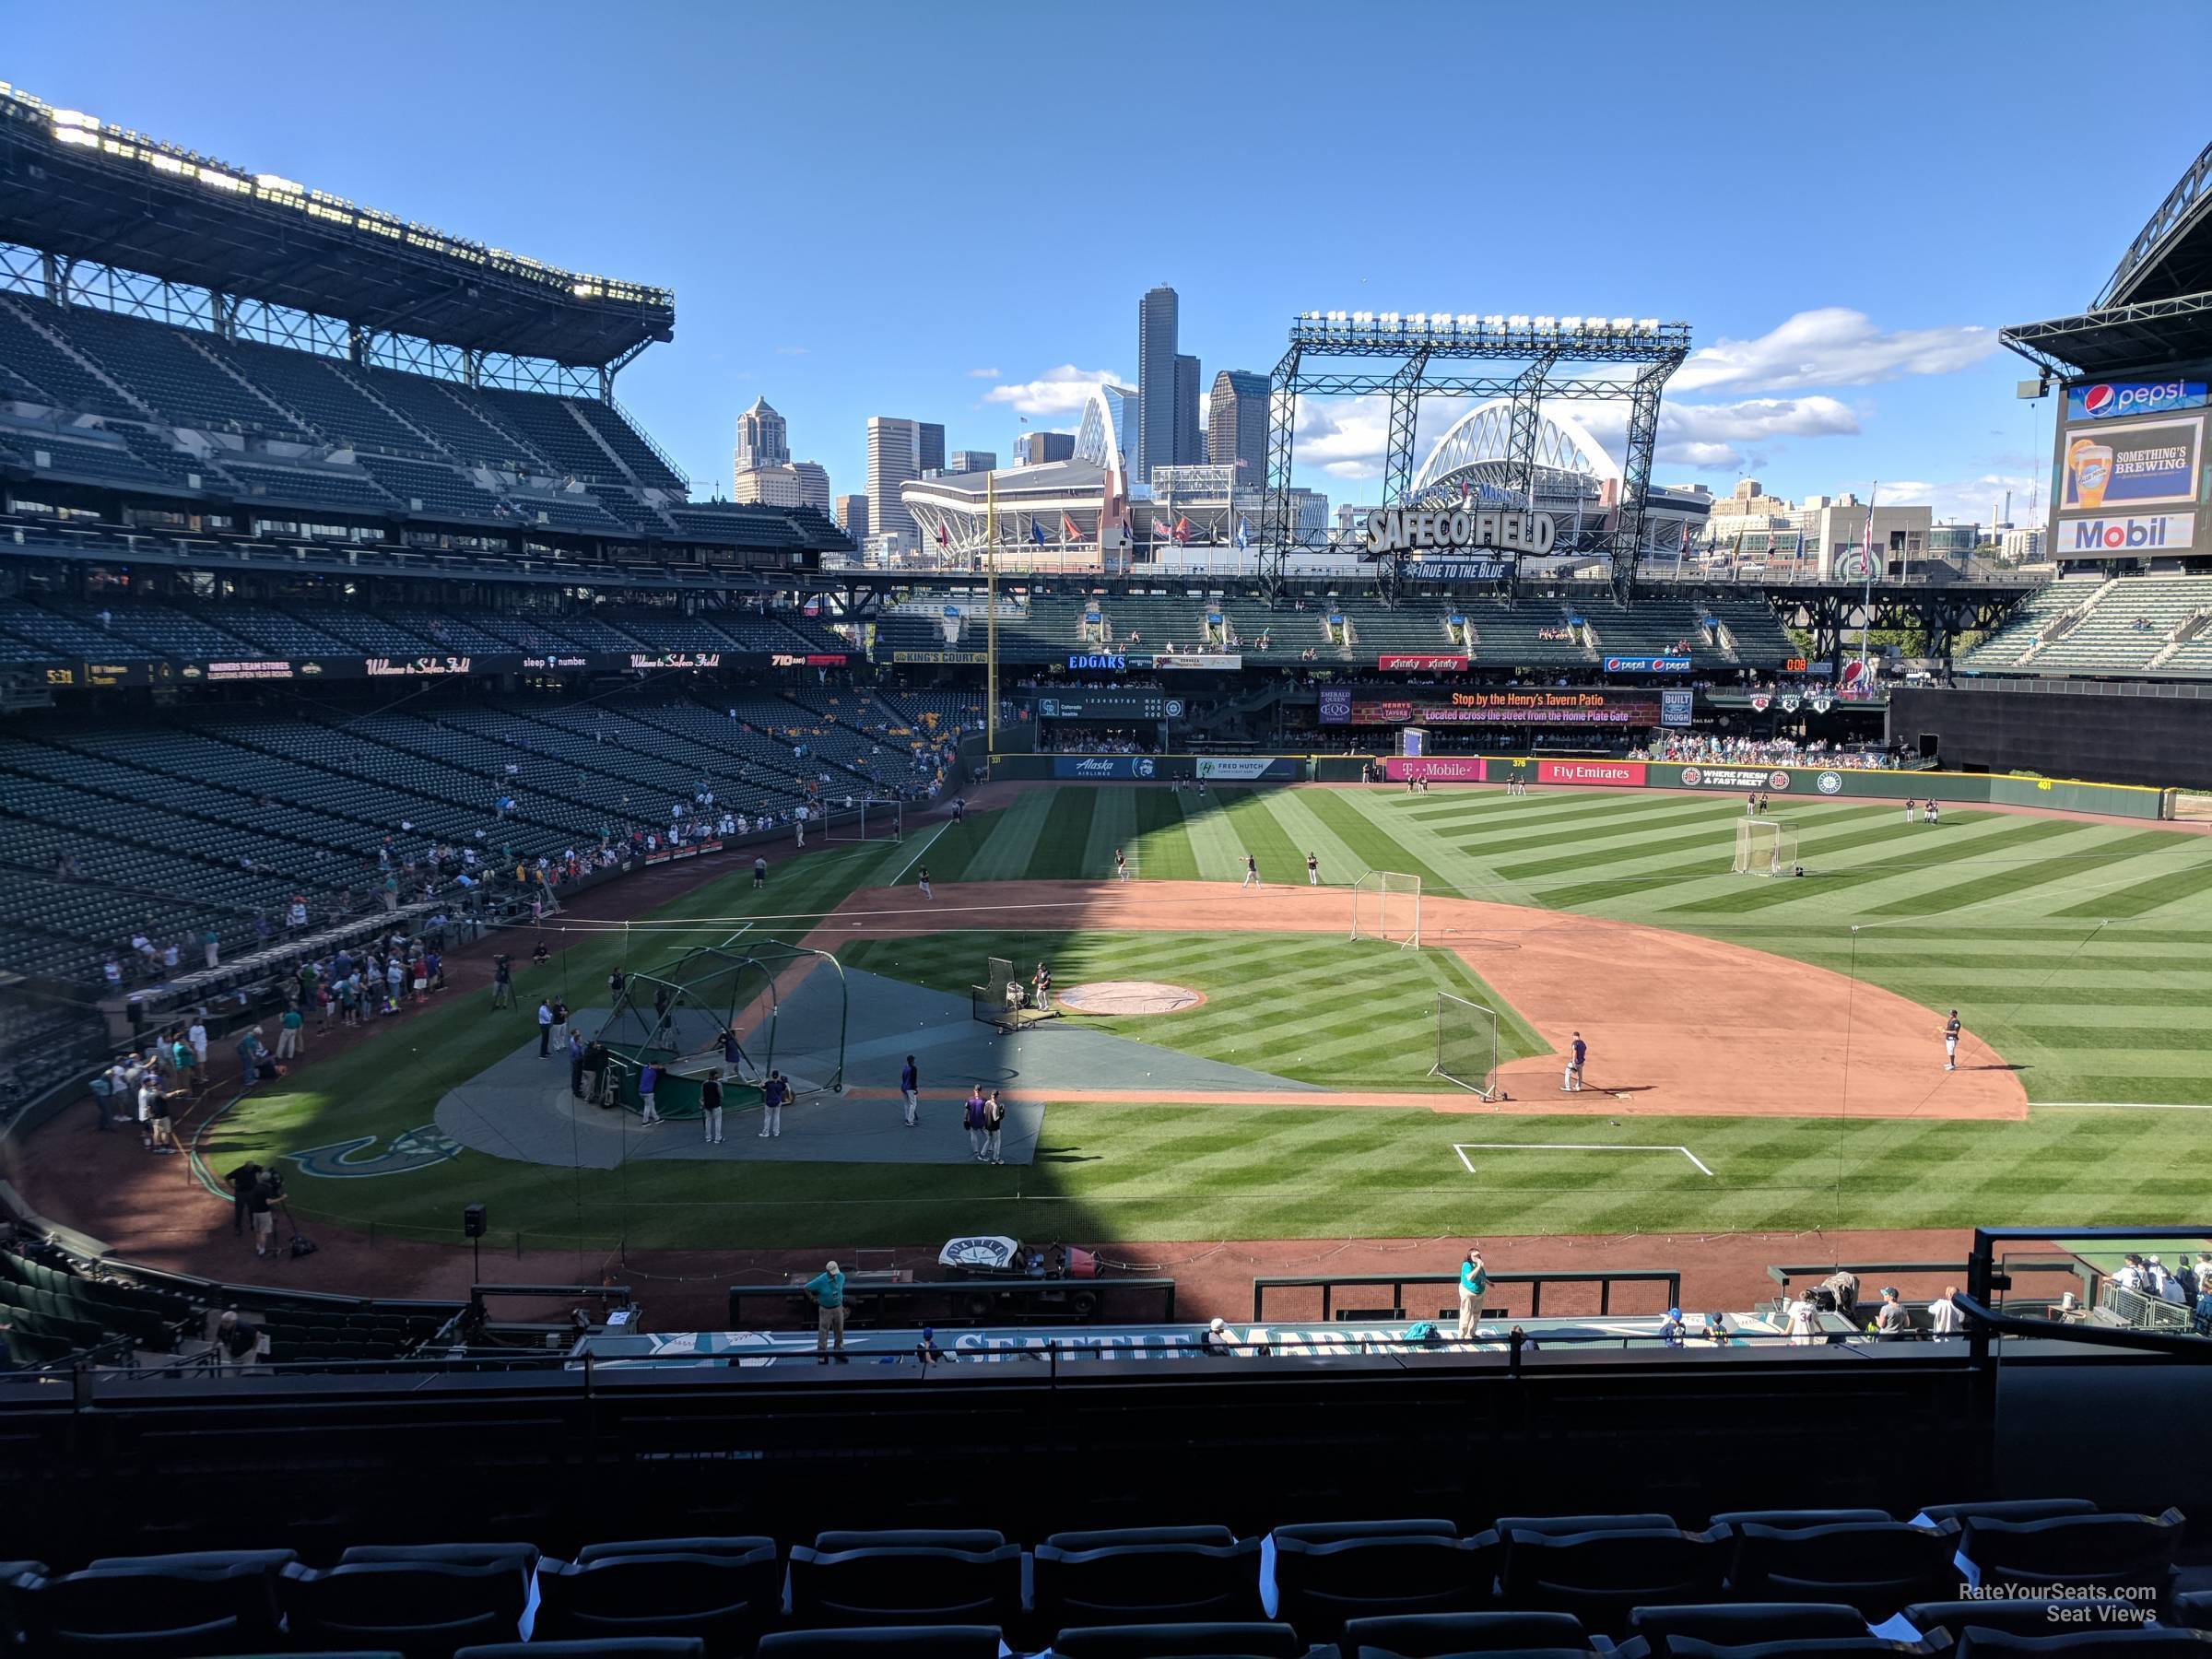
(2076, 950)
(1364, 1010)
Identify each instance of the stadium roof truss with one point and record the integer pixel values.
(1520, 358)
(2172, 254)
(2118, 339)
(82, 194)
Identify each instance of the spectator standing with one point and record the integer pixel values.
(828, 1289)
(291, 1032)
(1892, 1324)
(211, 944)
(502, 982)
(1473, 1279)
(545, 1030)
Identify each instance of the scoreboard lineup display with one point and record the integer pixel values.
(1111, 703)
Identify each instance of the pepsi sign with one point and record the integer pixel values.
(2110, 400)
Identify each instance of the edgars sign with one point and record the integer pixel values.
(1400, 530)
(1113, 663)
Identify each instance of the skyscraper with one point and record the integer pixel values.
(929, 446)
(1236, 427)
(1157, 315)
(974, 461)
(1033, 449)
(852, 515)
(1190, 437)
(1120, 403)
(760, 439)
(894, 458)
(794, 484)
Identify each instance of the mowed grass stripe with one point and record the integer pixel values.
(1766, 895)
(1706, 840)
(1262, 835)
(1112, 824)
(1339, 864)
(1163, 851)
(1058, 852)
(1005, 854)
(2144, 896)
(1368, 841)
(2000, 883)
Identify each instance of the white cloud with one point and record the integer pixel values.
(1832, 347)
(1061, 390)
(1971, 499)
(1346, 437)
(982, 374)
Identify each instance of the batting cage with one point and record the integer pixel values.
(869, 821)
(1764, 847)
(1466, 1044)
(1387, 905)
(729, 1009)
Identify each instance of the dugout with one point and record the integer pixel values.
(675, 1016)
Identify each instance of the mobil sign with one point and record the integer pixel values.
(2127, 533)
(2110, 400)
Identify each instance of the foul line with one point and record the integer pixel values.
(1464, 1148)
(924, 847)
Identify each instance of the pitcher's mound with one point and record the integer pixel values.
(1129, 996)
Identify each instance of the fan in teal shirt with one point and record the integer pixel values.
(828, 1289)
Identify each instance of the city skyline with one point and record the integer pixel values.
(1819, 375)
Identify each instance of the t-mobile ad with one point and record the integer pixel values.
(1433, 769)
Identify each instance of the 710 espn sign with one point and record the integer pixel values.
(2152, 532)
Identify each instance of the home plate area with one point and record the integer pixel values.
(1129, 996)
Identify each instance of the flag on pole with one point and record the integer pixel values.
(1182, 531)
(1067, 529)
(1243, 537)
(941, 537)
(1037, 533)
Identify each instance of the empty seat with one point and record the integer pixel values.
(915, 1641)
(1600, 1576)
(1160, 1581)
(2115, 1551)
(150, 1614)
(422, 1608)
(630, 1647)
(2008, 1509)
(725, 1599)
(1690, 1647)
(271, 1562)
(747, 1546)
(904, 1583)
(1423, 1636)
(1180, 1641)
(1875, 1566)
(453, 1555)
(1657, 1627)
(1796, 1518)
(1561, 1526)
(1325, 1576)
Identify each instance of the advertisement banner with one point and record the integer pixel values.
(1650, 665)
(1532, 706)
(2147, 532)
(1746, 778)
(809, 659)
(2131, 464)
(1251, 769)
(964, 657)
(1104, 766)
(1674, 707)
(1199, 659)
(2116, 400)
(1434, 769)
(1401, 663)
(1619, 772)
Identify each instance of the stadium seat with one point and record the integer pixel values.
(1112, 1536)
(1428, 1635)
(1600, 1576)
(149, 1615)
(451, 1555)
(630, 1647)
(725, 1599)
(1875, 1566)
(748, 1548)
(1165, 1581)
(1657, 1628)
(2083, 1645)
(1323, 1578)
(1796, 1518)
(2192, 1608)
(1180, 1641)
(1690, 1647)
(918, 1641)
(2007, 1508)
(917, 1583)
(2025, 1617)
(423, 1608)
(271, 1562)
(2119, 1552)
(1560, 1526)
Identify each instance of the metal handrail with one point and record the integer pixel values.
(1327, 1285)
(1983, 1320)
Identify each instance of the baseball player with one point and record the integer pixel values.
(910, 1087)
(772, 1095)
(1910, 805)
(1950, 1042)
(1040, 989)
(1751, 804)
(1570, 1082)
(922, 881)
(1120, 865)
(1312, 870)
(1252, 871)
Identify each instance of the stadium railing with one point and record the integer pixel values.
(1329, 1285)
(958, 1303)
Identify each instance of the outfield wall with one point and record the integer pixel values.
(1971, 789)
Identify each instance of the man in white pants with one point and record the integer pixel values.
(1950, 1042)
(1312, 870)
(909, 1087)
(709, 1106)
(772, 1095)
(1252, 871)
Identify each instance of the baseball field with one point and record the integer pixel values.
(1765, 1052)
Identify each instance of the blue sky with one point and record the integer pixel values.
(949, 212)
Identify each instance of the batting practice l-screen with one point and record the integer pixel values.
(1466, 1044)
(1387, 904)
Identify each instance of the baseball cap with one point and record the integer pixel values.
(831, 1268)
(1674, 1312)
(1889, 1290)
(1218, 1325)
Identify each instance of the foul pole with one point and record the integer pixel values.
(990, 614)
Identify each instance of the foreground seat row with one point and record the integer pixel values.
(1318, 1583)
